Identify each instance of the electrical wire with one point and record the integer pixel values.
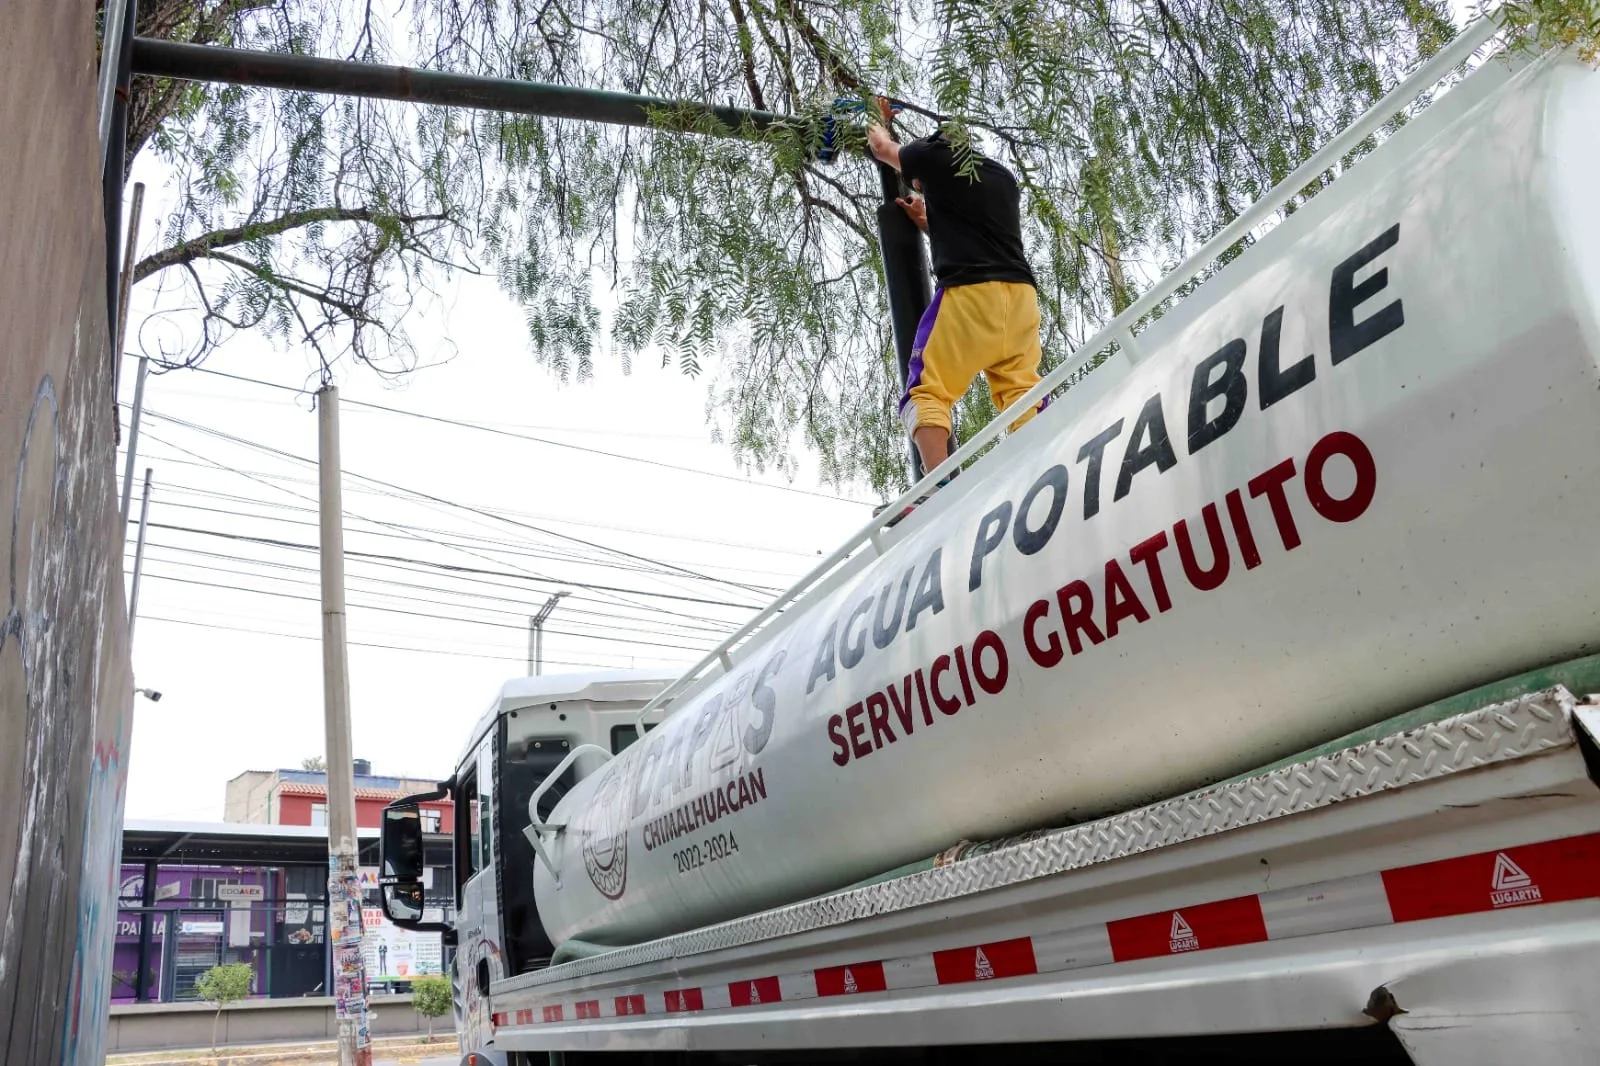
(418, 494)
(256, 475)
(631, 641)
(503, 547)
(523, 575)
(451, 567)
(612, 621)
(485, 428)
(365, 644)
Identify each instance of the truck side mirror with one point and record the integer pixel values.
(400, 864)
(403, 902)
(400, 843)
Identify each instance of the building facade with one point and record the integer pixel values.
(196, 895)
(300, 797)
(254, 889)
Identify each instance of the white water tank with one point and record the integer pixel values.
(1357, 471)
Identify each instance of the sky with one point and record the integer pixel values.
(682, 544)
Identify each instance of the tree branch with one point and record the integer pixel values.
(742, 33)
(830, 60)
(205, 245)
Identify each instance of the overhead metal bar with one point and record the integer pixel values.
(276, 70)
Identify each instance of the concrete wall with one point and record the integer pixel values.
(249, 798)
(65, 683)
(179, 1026)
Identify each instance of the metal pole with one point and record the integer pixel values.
(147, 918)
(114, 154)
(277, 70)
(133, 442)
(344, 882)
(138, 557)
(120, 335)
(110, 55)
(536, 634)
(121, 339)
(905, 275)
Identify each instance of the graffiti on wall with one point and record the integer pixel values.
(65, 694)
(66, 688)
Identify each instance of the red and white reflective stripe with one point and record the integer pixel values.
(1551, 872)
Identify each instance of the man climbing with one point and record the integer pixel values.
(985, 312)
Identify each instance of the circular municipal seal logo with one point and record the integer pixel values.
(605, 846)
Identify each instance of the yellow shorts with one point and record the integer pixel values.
(992, 327)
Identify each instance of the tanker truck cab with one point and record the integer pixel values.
(545, 733)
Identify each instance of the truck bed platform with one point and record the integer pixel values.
(1444, 880)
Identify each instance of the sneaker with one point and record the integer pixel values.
(919, 501)
(882, 507)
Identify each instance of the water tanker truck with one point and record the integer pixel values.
(1238, 704)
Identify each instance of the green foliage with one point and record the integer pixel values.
(222, 985)
(1137, 127)
(313, 762)
(431, 998)
(1541, 24)
(225, 984)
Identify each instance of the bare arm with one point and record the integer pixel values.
(883, 146)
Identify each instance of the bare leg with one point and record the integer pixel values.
(933, 444)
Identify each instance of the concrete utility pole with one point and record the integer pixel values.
(344, 880)
(138, 554)
(121, 337)
(536, 635)
(133, 440)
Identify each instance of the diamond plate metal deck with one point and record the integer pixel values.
(1529, 725)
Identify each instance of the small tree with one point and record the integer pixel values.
(222, 985)
(313, 762)
(430, 996)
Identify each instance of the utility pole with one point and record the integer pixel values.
(138, 555)
(344, 880)
(121, 337)
(536, 635)
(133, 442)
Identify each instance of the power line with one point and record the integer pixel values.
(612, 619)
(363, 644)
(220, 434)
(503, 547)
(271, 401)
(658, 564)
(524, 575)
(257, 475)
(446, 641)
(483, 428)
(613, 622)
(418, 614)
(275, 542)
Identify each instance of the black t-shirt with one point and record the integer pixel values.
(974, 223)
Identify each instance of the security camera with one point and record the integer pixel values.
(149, 693)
